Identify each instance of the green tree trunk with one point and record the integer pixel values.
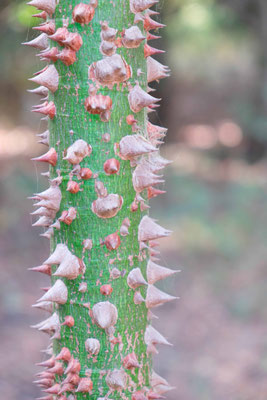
(103, 167)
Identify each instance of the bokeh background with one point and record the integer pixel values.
(214, 105)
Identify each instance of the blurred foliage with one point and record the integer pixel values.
(219, 45)
(20, 16)
(203, 37)
(17, 15)
(16, 63)
(215, 218)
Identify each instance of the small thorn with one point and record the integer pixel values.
(42, 15)
(44, 269)
(40, 42)
(47, 108)
(149, 36)
(47, 27)
(150, 51)
(150, 24)
(41, 91)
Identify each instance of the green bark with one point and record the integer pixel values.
(71, 115)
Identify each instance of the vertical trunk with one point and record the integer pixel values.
(103, 157)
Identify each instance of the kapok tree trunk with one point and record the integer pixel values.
(104, 164)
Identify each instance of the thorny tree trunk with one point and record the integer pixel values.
(104, 162)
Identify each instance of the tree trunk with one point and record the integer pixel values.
(104, 161)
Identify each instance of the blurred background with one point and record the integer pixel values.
(214, 105)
